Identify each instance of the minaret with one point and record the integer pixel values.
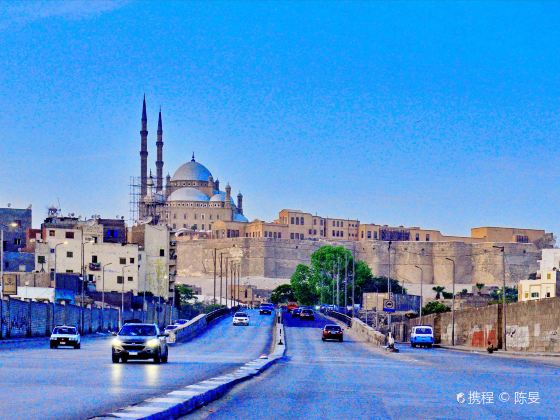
(159, 161)
(240, 203)
(227, 204)
(143, 154)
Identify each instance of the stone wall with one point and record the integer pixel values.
(532, 326)
(273, 258)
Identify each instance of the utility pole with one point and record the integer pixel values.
(452, 304)
(421, 290)
(221, 273)
(345, 283)
(353, 279)
(337, 284)
(389, 285)
(215, 251)
(227, 269)
(504, 324)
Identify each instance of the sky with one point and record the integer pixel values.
(444, 115)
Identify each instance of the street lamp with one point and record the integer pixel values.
(504, 324)
(389, 285)
(421, 289)
(122, 294)
(2, 227)
(103, 291)
(452, 304)
(54, 297)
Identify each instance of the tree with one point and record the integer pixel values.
(434, 307)
(184, 295)
(479, 286)
(447, 295)
(438, 290)
(282, 294)
(511, 295)
(303, 285)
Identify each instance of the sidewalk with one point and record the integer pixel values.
(500, 353)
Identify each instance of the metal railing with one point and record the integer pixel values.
(341, 317)
(216, 314)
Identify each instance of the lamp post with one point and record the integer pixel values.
(452, 304)
(122, 294)
(421, 289)
(389, 284)
(54, 296)
(103, 291)
(83, 280)
(504, 335)
(2, 227)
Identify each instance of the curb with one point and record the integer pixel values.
(187, 399)
(499, 352)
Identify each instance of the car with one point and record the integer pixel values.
(307, 314)
(422, 335)
(181, 321)
(332, 332)
(266, 308)
(296, 312)
(240, 318)
(65, 335)
(140, 341)
(132, 321)
(291, 306)
(171, 327)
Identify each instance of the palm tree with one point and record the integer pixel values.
(438, 290)
(479, 286)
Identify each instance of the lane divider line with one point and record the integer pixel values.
(173, 405)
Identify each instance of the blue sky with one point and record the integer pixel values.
(443, 115)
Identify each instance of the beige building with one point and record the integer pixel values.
(546, 287)
(505, 234)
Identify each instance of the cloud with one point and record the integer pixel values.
(22, 13)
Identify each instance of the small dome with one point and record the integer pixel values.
(221, 197)
(191, 171)
(240, 218)
(187, 194)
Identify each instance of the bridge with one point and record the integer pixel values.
(314, 379)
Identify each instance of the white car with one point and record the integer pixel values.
(65, 335)
(240, 318)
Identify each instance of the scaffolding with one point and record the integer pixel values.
(135, 195)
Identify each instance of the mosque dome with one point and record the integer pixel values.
(187, 194)
(191, 171)
(220, 197)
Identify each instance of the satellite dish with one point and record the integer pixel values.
(181, 231)
(145, 221)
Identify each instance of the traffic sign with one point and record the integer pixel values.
(388, 305)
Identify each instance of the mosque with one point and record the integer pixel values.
(191, 198)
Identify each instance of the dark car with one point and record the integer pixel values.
(307, 314)
(266, 308)
(181, 321)
(296, 312)
(332, 332)
(140, 341)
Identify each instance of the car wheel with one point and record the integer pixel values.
(412, 345)
(78, 346)
(115, 358)
(341, 339)
(323, 338)
(165, 358)
(51, 345)
(124, 359)
(157, 357)
(430, 346)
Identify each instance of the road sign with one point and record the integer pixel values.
(388, 305)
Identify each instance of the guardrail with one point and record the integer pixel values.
(195, 326)
(341, 317)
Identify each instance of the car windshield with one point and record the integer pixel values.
(171, 327)
(240, 314)
(425, 330)
(64, 330)
(138, 330)
(332, 328)
(307, 311)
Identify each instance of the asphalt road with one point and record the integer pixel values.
(349, 380)
(37, 382)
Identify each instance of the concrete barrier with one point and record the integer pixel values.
(367, 333)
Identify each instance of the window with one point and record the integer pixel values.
(535, 294)
(130, 278)
(374, 235)
(174, 215)
(292, 221)
(321, 222)
(90, 277)
(333, 224)
(69, 235)
(122, 261)
(51, 232)
(362, 234)
(547, 294)
(341, 224)
(310, 231)
(94, 259)
(195, 216)
(69, 254)
(301, 221)
(427, 237)
(301, 236)
(174, 226)
(333, 232)
(321, 232)
(17, 241)
(131, 260)
(292, 235)
(162, 252)
(120, 279)
(279, 235)
(41, 259)
(203, 224)
(69, 271)
(314, 222)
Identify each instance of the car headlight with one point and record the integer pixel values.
(116, 342)
(154, 342)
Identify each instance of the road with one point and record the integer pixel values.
(350, 380)
(66, 383)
